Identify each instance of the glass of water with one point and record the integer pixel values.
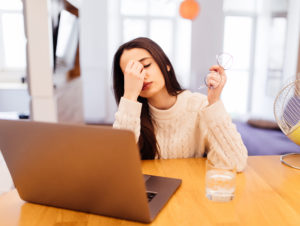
(220, 182)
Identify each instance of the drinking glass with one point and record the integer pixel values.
(220, 182)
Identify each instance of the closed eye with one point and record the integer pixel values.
(145, 66)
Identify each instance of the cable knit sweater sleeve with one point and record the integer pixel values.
(225, 144)
(128, 116)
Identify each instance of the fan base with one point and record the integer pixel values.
(291, 160)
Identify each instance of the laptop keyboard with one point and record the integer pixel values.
(150, 195)
(146, 177)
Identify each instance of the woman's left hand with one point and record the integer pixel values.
(216, 80)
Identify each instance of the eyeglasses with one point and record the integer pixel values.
(225, 61)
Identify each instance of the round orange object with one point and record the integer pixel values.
(189, 9)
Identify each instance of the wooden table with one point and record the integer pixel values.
(268, 193)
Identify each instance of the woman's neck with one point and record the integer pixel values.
(163, 100)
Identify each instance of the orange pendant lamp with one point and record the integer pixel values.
(189, 9)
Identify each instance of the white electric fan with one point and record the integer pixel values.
(287, 115)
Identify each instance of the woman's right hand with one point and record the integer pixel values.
(134, 75)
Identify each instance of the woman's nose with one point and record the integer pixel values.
(146, 75)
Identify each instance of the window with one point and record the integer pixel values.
(276, 54)
(12, 40)
(160, 21)
(150, 19)
(238, 31)
(255, 34)
(245, 6)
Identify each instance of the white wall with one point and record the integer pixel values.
(207, 40)
(93, 59)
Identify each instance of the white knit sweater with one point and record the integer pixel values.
(189, 129)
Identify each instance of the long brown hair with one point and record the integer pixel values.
(147, 140)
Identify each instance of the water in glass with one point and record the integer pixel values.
(220, 185)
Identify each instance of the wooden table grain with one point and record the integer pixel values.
(267, 193)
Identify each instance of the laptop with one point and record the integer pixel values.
(94, 169)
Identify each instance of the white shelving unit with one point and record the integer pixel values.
(39, 60)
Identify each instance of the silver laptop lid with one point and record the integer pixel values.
(93, 169)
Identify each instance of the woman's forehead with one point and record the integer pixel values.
(137, 54)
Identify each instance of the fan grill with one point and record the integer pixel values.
(287, 107)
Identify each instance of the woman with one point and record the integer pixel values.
(170, 122)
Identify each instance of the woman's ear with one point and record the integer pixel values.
(168, 68)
